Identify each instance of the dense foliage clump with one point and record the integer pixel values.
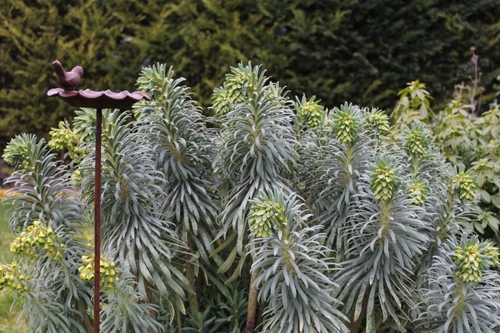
(283, 216)
(466, 133)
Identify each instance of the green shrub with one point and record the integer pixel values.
(265, 222)
(466, 135)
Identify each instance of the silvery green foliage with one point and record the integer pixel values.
(46, 315)
(332, 168)
(127, 310)
(450, 305)
(56, 299)
(43, 188)
(255, 147)
(447, 215)
(182, 150)
(294, 269)
(309, 113)
(131, 199)
(224, 311)
(175, 128)
(384, 243)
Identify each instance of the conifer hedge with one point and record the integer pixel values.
(361, 51)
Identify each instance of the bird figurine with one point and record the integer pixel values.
(67, 80)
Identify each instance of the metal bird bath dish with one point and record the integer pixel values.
(98, 100)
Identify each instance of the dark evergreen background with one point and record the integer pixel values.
(338, 50)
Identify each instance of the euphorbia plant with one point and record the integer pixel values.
(282, 216)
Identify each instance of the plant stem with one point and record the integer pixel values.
(193, 299)
(179, 320)
(149, 295)
(260, 315)
(85, 320)
(414, 163)
(252, 303)
(355, 325)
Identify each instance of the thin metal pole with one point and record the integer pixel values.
(97, 220)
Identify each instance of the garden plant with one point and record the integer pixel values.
(467, 134)
(274, 215)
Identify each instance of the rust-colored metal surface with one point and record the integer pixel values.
(98, 100)
(97, 222)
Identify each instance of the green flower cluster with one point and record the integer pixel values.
(87, 269)
(312, 113)
(275, 94)
(38, 237)
(76, 178)
(64, 138)
(61, 138)
(379, 120)
(383, 180)
(264, 216)
(472, 257)
(108, 273)
(465, 184)
(416, 140)
(418, 192)
(492, 251)
(236, 88)
(16, 155)
(12, 278)
(221, 101)
(345, 125)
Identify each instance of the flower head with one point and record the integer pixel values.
(108, 273)
(383, 178)
(12, 278)
(417, 192)
(238, 86)
(267, 212)
(16, 155)
(346, 122)
(38, 238)
(465, 184)
(311, 112)
(472, 257)
(416, 140)
(379, 120)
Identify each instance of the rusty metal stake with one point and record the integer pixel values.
(97, 221)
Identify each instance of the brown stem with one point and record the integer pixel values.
(252, 303)
(193, 299)
(85, 320)
(260, 315)
(355, 325)
(149, 295)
